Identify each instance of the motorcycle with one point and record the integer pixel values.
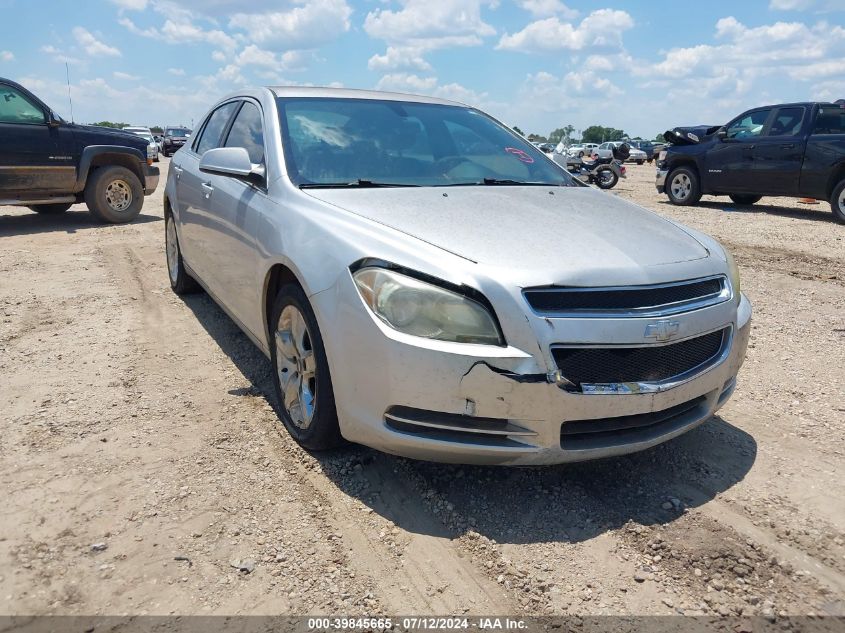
(602, 172)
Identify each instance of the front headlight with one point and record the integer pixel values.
(733, 272)
(421, 309)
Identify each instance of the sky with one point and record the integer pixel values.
(643, 66)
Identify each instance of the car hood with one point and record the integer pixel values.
(539, 228)
(95, 135)
(689, 135)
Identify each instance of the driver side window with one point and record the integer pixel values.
(748, 125)
(16, 108)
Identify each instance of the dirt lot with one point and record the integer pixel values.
(143, 470)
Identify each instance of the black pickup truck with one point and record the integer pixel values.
(794, 149)
(48, 164)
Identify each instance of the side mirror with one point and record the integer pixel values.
(53, 120)
(233, 162)
(722, 134)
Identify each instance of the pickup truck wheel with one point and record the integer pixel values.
(114, 194)
(50, 209)
(640, 162)
(301, 377)
(180, 281)
(744, 200)
(837, 202)
(682, 187)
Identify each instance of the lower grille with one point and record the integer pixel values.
(454, 427)
(653, 363)
(630, 429)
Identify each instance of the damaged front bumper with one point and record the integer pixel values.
(483, 404)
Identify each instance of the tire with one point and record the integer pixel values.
(606, 178)
(296, 337)
(114, 195)
(640, 162)
(180, 281)
(51, 209)
(682, 187)
(744, 199)
(837, 202)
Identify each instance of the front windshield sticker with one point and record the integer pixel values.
(521, 155)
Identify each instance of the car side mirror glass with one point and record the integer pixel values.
(233, 162)
(722, 134)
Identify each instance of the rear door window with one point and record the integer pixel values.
(787, 122)
(213, 132)
(831, 120)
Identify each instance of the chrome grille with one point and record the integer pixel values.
(638, 300)
(650, 364)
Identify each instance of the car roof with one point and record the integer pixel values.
(351, 93)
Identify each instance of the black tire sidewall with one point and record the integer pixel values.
(184, 283)
(838, 212)
(95, 194)
(51, 209)
(609, 185)
(744, 200)
(323, 433)
(695, 192)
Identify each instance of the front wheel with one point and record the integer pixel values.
(606, 179)
(180, 281)
(301, 377)
(837, 202)
(50, 209)
(640, 162)
(114, 194)
(683, 188)
(744, 199)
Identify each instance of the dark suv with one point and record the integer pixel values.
(48, 164)
(174, 138)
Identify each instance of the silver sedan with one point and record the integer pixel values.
(428, 283)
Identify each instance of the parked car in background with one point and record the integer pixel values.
(605, 150)
(48, 164)
(174, 138)
(581, 150)
(650, 148)
(428, 283)
(145, 133)
(793, 149)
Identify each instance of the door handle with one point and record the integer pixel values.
(178, 171)
(208, 189)
(789, 146)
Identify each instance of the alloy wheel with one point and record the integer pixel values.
(296, 367)
(172, 244)
(118, 195)
(681, 186)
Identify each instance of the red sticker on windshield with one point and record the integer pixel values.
(525, 158)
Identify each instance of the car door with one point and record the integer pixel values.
(729, 162)
(36, 157)
(233, 211)
(197, 228)
(777, 155)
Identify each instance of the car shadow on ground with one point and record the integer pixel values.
(31, 223)
(819, 213)
(565, 503)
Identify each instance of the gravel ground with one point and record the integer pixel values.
(144, 472)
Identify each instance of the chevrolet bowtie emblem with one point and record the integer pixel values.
(662, 330)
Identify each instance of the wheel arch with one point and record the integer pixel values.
(837, 175)
(279, 275)
(96, 156)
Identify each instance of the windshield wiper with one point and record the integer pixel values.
(360, 182)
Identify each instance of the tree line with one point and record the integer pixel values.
(592, 134)
(156, 129)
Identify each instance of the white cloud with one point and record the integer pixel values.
(399, 57)
(601, 29)
(92, 45)
(125, 76)
(183, 31)
(429, 24)
(406, 82)
(790, 5)
(544, 8)
(58, 55)
(307, 26)
(7, 56)
(178, 72)
(132, 5)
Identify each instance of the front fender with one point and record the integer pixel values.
(90, 153)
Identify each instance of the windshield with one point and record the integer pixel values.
(362, 142)
(177, 131)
